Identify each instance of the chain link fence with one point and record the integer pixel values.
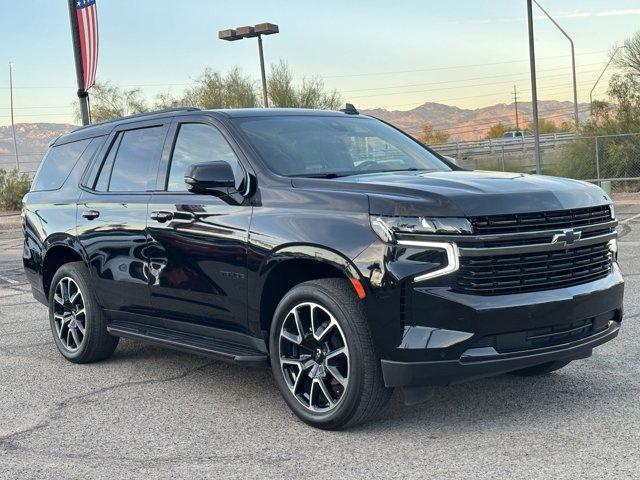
(608, 160)
(27, 162)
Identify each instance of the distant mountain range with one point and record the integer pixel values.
(32, 139)
(462, 124)
(466, 124)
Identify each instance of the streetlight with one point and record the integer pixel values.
(258, 30)
(13, 126)
(534, 88)
(573, 65)
(598, 80)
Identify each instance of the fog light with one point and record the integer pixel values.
(613, 248)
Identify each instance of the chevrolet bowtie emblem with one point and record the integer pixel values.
(567, 237)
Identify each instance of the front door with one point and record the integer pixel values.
(198, 243)
(112, 217)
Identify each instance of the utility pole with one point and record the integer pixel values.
(13, 125)
(515, 98)
(534, 87)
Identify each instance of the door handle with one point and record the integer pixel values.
(161, 216)
(91, 214)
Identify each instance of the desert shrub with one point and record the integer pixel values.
(13, 186)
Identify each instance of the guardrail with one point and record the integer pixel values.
(502, 145)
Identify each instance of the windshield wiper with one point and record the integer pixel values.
(322, 175)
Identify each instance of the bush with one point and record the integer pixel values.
(13, 186)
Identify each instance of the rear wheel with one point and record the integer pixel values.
(77, 322)
(322, 356)
(542, 369)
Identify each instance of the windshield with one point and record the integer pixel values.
(326, 146)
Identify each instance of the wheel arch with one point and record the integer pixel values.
(294, 264)
(59, 250)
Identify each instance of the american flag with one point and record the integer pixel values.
(88, 30)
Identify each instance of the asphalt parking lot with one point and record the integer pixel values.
(149, 412)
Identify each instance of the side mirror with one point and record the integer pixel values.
(210, 177)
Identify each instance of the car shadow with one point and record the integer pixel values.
(446, 410)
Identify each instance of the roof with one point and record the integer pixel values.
(104, 128)
(275, 112)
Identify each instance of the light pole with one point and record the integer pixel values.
(598, 80)
(573, 65)
(13, 125)
(250, 32)
(534, 88)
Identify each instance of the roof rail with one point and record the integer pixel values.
(140, 115)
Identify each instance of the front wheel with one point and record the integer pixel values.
(323, 358)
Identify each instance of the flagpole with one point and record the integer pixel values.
(83, 96)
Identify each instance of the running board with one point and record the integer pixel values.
(210, 347)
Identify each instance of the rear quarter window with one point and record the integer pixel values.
(57, 165)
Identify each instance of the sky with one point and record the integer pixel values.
(390, 54)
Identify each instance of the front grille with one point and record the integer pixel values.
(529, 222)
(546, 336)
(528, 272)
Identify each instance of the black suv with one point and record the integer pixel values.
(329, 245)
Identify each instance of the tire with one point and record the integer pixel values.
(542, 369)
(340, 320)
(67, 319)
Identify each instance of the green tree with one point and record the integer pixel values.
(619, 155)
(498, 130)
(546, 126)
(13, 186)
(310, 93)
(214, 90)
(432, 136)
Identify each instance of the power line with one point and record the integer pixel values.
(182, 84)
(484, 77)
(481, 126)
(455, 87)
(432, 69)
(417, 103)
(381, 88)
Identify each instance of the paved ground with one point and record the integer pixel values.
(153, 413)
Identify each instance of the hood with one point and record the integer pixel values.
(465, 193)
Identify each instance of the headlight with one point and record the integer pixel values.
(387, 227)
(450, 265)
(448, 254)
(613, 212)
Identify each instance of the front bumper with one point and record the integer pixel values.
(479, 363)
(450, 337)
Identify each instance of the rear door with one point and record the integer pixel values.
(112, 217)
(198, 243)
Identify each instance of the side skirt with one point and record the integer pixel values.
(210, 347)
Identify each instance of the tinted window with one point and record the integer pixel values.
(327, 145)
(134, 167)
(102, 183)
(197, 143)
(57, 165)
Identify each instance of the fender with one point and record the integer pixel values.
(319, 254)
(304, 251)
(63, 240)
